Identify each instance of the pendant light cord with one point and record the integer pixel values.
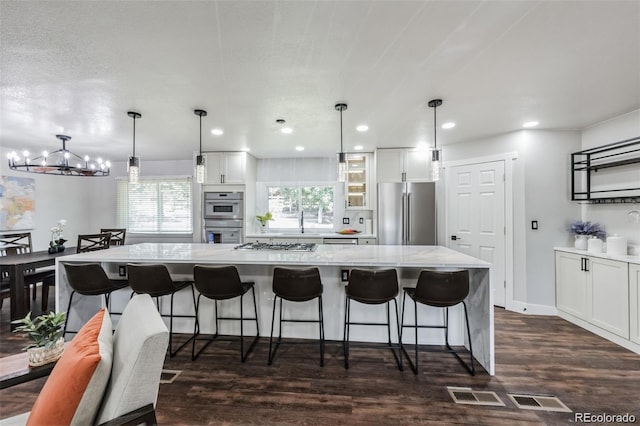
(341, 150)
(435, 128)
(201, 135)
(134, 136)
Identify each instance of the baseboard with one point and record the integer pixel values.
(531, 309)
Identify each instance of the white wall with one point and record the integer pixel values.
(541, 192)
(615, 217)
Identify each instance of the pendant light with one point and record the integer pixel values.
(201, 169)
(342, 160)
(435, 154)
(133, 167)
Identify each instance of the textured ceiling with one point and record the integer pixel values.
(77, 67)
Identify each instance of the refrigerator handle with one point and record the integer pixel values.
(408, 218)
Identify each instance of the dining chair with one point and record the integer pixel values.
(20, 243)
(93, 242)
(117, 235)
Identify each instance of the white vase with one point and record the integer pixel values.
(580, 242)
(43, 355)
(264, 228)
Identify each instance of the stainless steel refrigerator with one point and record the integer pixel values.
(407, 213)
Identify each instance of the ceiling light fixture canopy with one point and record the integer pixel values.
(435, 154)
(133, 167)
(342, 160)
(201, 169)
(60, 162)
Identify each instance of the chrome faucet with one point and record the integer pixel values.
(302, 222)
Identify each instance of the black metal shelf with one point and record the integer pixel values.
(589, 161)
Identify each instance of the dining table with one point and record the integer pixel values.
(15, 266)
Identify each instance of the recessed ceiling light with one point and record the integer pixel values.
(286, 130)
(358, 147)
(449, 125)
(299, 148)
(362, 128)
(217, 132)
(530, 124)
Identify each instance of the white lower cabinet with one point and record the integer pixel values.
(608, 295)
(571, 284)
(596, 291)
(634, 305)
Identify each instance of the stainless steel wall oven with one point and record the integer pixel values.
(223, 217)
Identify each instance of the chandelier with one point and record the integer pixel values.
(59, 162)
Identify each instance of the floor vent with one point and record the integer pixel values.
(538, 402)
(469, 396)
(168, 376)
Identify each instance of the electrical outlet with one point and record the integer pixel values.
(534, 224)
(122, 270)
(345, 220)
(361, 220)
(344, 275)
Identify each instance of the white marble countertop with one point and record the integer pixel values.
(330, 255)
(629, 259)
(307, 235)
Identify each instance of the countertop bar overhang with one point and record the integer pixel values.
(331, 260)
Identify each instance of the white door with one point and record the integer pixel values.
(476, 218)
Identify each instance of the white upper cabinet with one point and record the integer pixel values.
(226, 167)
(357, 187)
(402, 165)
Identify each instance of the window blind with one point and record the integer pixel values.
(155, 205)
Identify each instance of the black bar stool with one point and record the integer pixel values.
(372, 287)
(441, 289)
(296, 285)
(221, 283)
(89, 279)
(156, 281)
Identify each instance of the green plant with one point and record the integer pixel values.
(44, 330)
(263, 219)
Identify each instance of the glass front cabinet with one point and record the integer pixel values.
(357, 182)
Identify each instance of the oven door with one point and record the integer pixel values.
(223, 209)
(223, 236)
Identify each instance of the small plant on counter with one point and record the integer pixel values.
(587, 228)
(263, 219)
(44, 330)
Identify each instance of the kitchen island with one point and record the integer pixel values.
(332, 261)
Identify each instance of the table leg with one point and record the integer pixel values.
(16, 291)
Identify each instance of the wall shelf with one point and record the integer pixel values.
(615, 162)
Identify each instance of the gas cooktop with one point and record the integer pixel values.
(278, 246)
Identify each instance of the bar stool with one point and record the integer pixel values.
(155, 281)
(296, 285)
(441, 289)
(372, 287)
(221, 283)
(89, 279)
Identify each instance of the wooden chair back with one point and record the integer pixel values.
(93, 242)
(18, 243)
(117, 235)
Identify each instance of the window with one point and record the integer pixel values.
(288, 203)
(155, 205)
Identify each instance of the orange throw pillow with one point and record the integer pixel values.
(74, 390)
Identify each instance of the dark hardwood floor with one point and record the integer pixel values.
(534, 355)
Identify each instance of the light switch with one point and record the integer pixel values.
(534, 224)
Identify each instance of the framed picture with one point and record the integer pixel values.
(17, 203)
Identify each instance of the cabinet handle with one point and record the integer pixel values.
(404, 177)
(221, 178)
(586, 264)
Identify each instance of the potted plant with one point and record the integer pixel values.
(582, 230)
(264, 221)
(57, 242)
(46, 334)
